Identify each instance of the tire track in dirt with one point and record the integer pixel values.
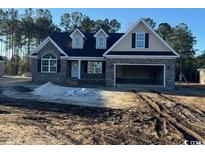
(160, 123)
(42, 123)
(189, 132)
(198, 114)
(81, 125)
(193, 109)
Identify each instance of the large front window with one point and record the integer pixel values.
(94, 67)
(49, 64)
(140, 40)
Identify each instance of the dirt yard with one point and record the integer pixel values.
(158, 117)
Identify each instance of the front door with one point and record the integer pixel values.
(74, 69)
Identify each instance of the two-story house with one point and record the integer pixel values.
(139, 57)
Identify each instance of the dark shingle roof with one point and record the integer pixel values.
(1, 58)
(143, 53)
(64, 41)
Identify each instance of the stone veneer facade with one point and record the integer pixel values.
(64, 76)
(59, 77)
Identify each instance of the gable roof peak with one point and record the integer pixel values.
(101, 30)
(150, 30)
(77, 30)
(141, 19)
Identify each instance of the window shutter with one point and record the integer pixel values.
(133, 40)
(147, 40)
(103, 67)
(86, 67)
(58, 65)
(39, 65)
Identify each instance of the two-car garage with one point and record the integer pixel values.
(137, 74)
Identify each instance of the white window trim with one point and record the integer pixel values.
(141, 40)
(77, 30)
(101, 30)
(98, 42)
(95, 68)
(49, 66)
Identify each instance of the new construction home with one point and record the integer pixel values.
(139, 57)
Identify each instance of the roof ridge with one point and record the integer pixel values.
(89, 32)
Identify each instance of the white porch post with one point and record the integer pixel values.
(79, 67)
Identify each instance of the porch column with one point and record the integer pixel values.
(79, 68)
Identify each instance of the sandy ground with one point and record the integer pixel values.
(99, 98)
(110, 98)
(156, 117)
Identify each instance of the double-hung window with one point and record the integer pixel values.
(101, 42)
(49, 64)
(140, 40)
(76, 42)
(94, 67)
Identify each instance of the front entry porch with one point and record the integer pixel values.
(75, 69)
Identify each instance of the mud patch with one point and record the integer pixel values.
(4, 112)
(33, 122)
(36, 118)
(22, 89)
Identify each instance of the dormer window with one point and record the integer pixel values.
(101, 42)
(101, 39)
(76, 42)
(77, 39)
(140, 40)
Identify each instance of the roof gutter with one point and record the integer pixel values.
(140, 57)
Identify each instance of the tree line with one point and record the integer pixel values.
(181, 39)
(20, 33)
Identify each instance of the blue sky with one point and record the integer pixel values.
(194, 18)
